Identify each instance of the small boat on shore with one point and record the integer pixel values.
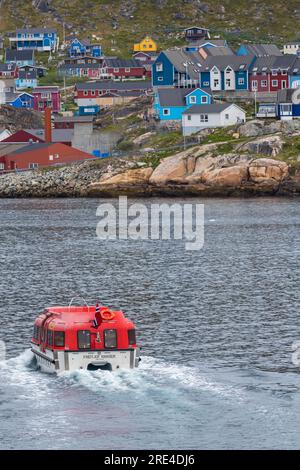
(88, 337)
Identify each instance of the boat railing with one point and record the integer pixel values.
(78, 297)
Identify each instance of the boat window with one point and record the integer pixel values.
(110, 339)
(84, 339)
(59, 338)
(35, 332)
(131, 337)
(50, 337)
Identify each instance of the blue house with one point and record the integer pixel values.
(83, 47)
(38, 39)
(288, 104)
(206, 44)
(21, 58)
(226, 73)
(26, 80)
(258, 50)
(20, 100)
(170, 103)
(175, 67)
(294, 74)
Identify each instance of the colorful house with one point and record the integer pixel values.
(175, 67)
(294, 74)
(38, 39)
(122, 69)
(226, 73)
(47, 96)
(213, 115)
(288, 104)
(258, 50)
(20, 100)
(39, 155)
(83, 47)
(195, 46)
(170, 103)
(196, 33)
(271, 74)
(292, 47)
(21, 58)
(89, 96)
(26, 80)
(146, 45)
(9, 71)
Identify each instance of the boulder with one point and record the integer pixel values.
(271, 145)
(142, 138)
(136, 176)
(170, 169)
(227, 177)
(267, 169)
(252, 129)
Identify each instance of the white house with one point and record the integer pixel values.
(211, 115)
(291, 47)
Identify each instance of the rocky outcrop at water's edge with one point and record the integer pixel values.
(194, 172)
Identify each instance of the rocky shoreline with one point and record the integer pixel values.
(191, 173)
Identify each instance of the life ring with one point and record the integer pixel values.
(107, 314)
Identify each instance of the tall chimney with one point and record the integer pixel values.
(48, 125)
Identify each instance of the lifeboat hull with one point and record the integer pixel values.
(69, 361)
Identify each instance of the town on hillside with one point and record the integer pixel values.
(74, 86)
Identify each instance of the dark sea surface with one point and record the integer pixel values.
(216, 327)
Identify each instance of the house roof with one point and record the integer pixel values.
(196, 27)
(7, 148)
(36, 30)
(173, 96)
(214, 108)
(58, 135)
(222, 62)
(185, 62)
(23, 74)
(74, 119)
(261, 50)
(263, 64)
(10, 96)
(284, 62)
(203, 42)
(8, 67)
(40, 89)
(117, 63)
(13, 55)
(220, 50)
(111, 85)
(296, 67)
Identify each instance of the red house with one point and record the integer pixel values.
(9, 71)
(47, 97)
(41, 155)
(123, 69)
(271, 74)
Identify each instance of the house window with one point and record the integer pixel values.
(241, 81)
(254, 85)
(205, 83)
(203, 99)
(116, 69)
(274, 73)
(160, 79)
(189, 117)
(99, 92)
(93, 92)
(216, 82)
(127, 69)
(226, 116)
(275, 83)
(166, 112)
(1, 166)
(283, 84)
(85, 93)
(264, 83)
(51, 158)
(110, 339)
(192, 99)
(33, 166)
(228, 82)
(85, 72)
(284, 72)
(59, 339)
(159, 67)
(203, 117)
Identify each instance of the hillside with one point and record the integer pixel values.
(119, 24)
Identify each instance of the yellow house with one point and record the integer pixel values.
(146, 45)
